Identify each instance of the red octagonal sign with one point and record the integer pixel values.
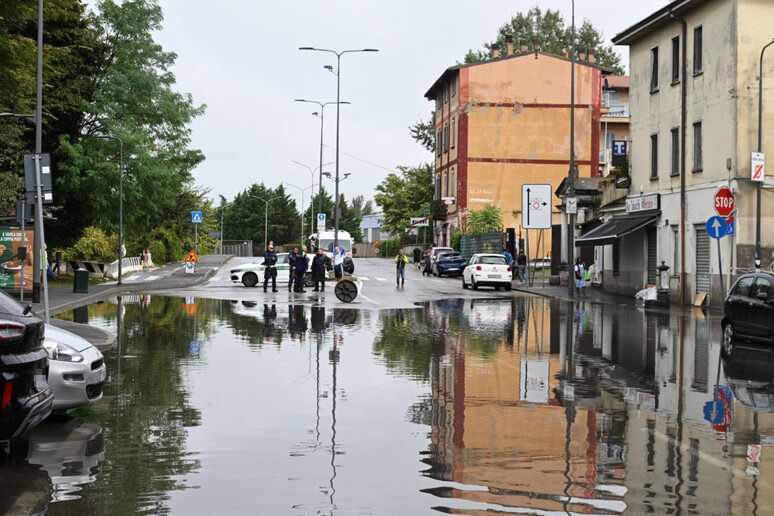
(724, 201)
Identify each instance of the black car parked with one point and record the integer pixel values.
(748, 313)
(25, 397)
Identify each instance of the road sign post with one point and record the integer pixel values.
(717, 229)
(196, 219)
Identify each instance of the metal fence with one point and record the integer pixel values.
(483, 243)
(238, 248)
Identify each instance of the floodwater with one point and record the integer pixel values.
(513, 406)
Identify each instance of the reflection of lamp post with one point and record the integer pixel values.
(120, 199)
(338, 109)
(266, 218)
(760, 149)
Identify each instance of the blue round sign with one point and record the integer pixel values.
(717, 227)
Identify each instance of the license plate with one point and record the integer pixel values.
(102, 374)
(453, 269)
(494, 276)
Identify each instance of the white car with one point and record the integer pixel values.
(251, 274)
(488, 270)
(76, 369)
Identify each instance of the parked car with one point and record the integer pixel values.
(435, 252)
(487, 269)
(76, 369)
(451, 263)
(25, 397)
(748, 312)
(250, 274)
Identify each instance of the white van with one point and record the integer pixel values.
(327, 239)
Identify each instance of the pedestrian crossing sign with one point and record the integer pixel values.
(192, 257)
(196, 217)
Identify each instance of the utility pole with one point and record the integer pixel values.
(571, 175)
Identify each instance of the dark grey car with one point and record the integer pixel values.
(748, 313)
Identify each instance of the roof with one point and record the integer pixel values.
(654, 21)
(583, 186)
(430, 94)
(616, 82)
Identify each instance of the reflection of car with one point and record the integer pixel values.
(25, 397)
(435, 252)
(750, 375)
(76, 369)
(748, 313)
(449, 263)
(250, 274)
(487, 269)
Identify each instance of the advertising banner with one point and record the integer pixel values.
(10, 264)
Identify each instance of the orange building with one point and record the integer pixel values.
(505, 122)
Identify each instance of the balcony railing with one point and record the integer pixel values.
(617, 111)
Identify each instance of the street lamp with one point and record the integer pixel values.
(120, 200)
(760, 149)
(266, 218)
(338, 109)
(312, 171)
(321, 116)
(302, 205)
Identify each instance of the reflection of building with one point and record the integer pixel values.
(504, 122)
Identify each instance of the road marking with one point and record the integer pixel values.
(151, 277)
(131, 278)
(381, 279)
(370, 300)
(364, 279)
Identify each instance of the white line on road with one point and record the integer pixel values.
(364, 279)
(381, 279)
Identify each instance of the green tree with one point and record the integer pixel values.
(423, 132)
(488, 218)
(405, 195)
(361, 206)
(245, 216)
(350, 217)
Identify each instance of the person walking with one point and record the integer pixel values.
(292, 270)
(270, 271)
(521, 263)
(302, 264)
(319, 270)
(428, 263)
(400, 268)
(417, 257)
(338, 263)
(580, 276)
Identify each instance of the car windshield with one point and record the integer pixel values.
(450, 256)
(328, 244)
(492, 260)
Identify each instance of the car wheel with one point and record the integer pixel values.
(249, 279)
(728, 340)
(508, 287)
(473, 284)
(497, 287)
(308, 282)
(464, 285)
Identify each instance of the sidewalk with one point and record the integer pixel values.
(560, 292)
(173, 275)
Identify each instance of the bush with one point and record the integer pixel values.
(95, 245)
(456, 240)
(390, 247)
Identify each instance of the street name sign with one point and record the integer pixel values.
(757, 167)
(717, 227)
(535, 206)
(196, 217)
(724, 201)
(419, 222)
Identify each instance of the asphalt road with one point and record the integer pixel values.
(375, 278)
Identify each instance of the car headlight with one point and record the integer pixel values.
(63, 352)
(234, 271)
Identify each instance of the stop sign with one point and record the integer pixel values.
(724, 201)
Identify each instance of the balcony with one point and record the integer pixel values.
(615, 110)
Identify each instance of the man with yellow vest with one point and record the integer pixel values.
(400, 268)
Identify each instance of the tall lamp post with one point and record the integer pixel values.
(120, 200)
(760, 149)
(338, 119)
(302, 205)
(312, 172)
(266, 218)
(571, 174)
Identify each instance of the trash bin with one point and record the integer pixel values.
(81, 281)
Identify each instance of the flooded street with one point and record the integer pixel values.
(513, 405)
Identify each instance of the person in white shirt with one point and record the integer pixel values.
(338, 263)
(580, 276)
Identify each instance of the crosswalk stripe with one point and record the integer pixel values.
(381, 279)
(364, 279)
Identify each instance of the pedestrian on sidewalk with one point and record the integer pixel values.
(338, 263)
(292, 270)
(521, 263)
(400, 268)
(417, 257)
(580, 276)
(270, 270)
(302, 264)
(319, 270)
(428, 265)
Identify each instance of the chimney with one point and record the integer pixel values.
(495, 53)
(591, 56)
(509, 45)
(523, 45)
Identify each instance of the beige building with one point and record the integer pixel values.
(694, 118)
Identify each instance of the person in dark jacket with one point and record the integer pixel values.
(417, 257)
(428, 267)
(270, 272)
(302, 264)
(319, 270)
(292, 271)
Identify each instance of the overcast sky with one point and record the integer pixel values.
(241, 58)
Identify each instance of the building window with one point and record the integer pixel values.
(674, 168)
(446, 93)
(610, 98)
(654, 69)
(453, 127)
(676, 60)
(452, 184)
(438, 143)
(698, 57)
(454, 86)
(438, 101)
(446, 138)
(609, 139)
(654, 156)
(444, 192)
(616, 258)
(675, 250)
(697, 158)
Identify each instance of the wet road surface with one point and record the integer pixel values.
(462, 406)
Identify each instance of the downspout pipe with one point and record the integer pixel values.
(683, 132)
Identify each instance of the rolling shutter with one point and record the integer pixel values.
(702, 258)
(652, 256)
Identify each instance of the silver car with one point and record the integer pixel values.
(76, 369)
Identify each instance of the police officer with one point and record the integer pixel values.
(270, 262)
(302, 264)
(292, 262)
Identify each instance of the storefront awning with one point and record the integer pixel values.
(614, 229)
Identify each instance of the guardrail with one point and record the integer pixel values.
(127, 265)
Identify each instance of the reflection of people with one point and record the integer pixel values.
(297, 323)
(269, 316)
(318, 319)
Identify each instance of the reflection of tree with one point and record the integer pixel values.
(405, 344)
(145, 440)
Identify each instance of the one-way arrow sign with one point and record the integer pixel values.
(535, 206)
(717, 227)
